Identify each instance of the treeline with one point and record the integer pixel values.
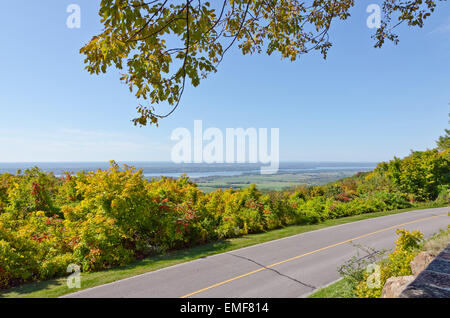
(112, 217)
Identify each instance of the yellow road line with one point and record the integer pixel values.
(309, 253)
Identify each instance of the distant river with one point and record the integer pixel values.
(194, 170)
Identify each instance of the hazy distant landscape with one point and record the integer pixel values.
(279, 181)
(213, 176)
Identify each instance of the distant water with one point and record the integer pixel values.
(194, 170)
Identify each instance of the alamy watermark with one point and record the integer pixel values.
(74, 19)
(374, 19)
(365, 267)
(238, 146)
(374, 278)
(74, 279)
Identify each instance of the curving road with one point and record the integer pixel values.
(289, 267)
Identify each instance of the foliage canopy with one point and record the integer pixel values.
(161, 44)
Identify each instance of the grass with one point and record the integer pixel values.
(344, 287)
(58, 287)
(437, 243)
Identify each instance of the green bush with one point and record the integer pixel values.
(419, 174)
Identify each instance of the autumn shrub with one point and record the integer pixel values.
(122, 217)
(6, 180)
(18, 258)
(332, 190)
(32, 191)
(311, 211)
(35, 247)
(444, 194)
(398, 263)
(419, 174)
(279, 210)
(68, 192)
(316, 191)
(300, 193)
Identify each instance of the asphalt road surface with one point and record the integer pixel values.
(288, 267)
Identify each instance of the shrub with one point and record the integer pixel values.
(444, 194)
(419, 174)
(312, 211)
(398, 263)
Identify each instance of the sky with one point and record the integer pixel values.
(360, 104)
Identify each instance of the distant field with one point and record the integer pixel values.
(271, 182)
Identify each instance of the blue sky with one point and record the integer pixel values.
(361, 104)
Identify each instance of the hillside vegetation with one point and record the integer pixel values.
(111, 217)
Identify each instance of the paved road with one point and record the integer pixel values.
(288, 267)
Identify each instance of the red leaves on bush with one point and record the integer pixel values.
(343, 197)
(39, 238)
(35, 189)
(252, 204)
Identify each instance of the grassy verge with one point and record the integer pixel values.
(344, 288)
(58, 287)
